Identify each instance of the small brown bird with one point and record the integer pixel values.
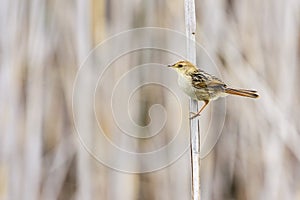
(202, 86)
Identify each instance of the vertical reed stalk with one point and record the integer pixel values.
(190, 23)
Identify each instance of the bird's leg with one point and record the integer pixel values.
(198, 113)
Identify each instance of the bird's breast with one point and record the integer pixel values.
(186, 85)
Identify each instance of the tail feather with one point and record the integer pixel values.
(251, 91)
(242, 92)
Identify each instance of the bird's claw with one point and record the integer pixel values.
(194, 115)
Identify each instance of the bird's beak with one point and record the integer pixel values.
(170, 65)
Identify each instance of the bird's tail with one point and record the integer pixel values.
(242, 92)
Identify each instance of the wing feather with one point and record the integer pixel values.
(201, 79)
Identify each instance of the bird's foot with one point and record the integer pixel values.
(194, 115)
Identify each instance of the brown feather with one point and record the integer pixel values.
(242, 92)
(201, 79)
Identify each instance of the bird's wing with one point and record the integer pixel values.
(201, 79)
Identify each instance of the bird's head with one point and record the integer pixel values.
(183, 66)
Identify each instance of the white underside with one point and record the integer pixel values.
(186, 86)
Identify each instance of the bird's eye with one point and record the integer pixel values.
(180, 65)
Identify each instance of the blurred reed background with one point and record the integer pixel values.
(42, 43)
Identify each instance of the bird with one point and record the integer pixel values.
(202, 86)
